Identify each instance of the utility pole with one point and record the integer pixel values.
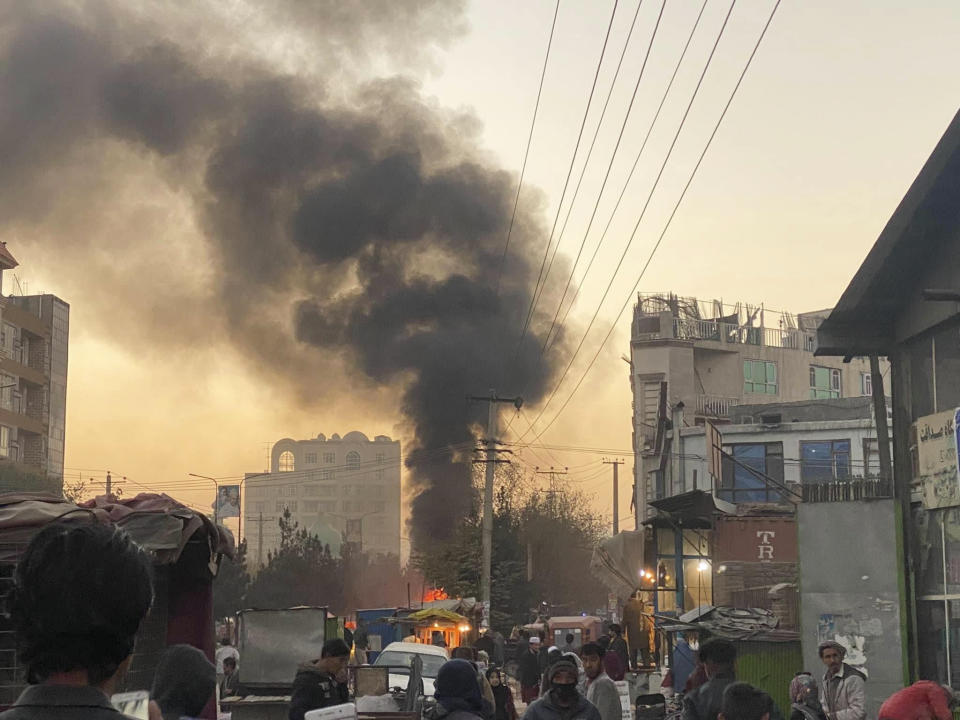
(616, 493)
(109, 481)
(260, 521)
(491, 460)
(554, 473)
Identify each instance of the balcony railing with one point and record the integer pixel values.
(848, 490)
(716, 331)
(716, 406)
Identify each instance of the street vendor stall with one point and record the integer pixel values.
(430, 624)
(186, 548)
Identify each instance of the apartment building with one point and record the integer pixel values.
(707, 357)
(343, 489)
(34, 338)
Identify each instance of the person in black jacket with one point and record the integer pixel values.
(718, 657)
(529, 671)
(321, 683)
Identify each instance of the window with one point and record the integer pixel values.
(310, 506)
(8, 393)
(310, 458)
(379, 475)
(347, 490)
(286, 462)
(288, 491)
(759, 376)
(379, 458)
(328, 507)
(286, 504)
(311, 490)
(866, 384)
(329, 458)
(326, 475)
(259, 507)
(4, 441)
(353, 460)
(750, 472)
(327, 490)
(824, 382)
(823, 462)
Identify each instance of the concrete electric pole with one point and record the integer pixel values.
(616, 493)
(491, 461)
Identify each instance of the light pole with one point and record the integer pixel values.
(216, 495)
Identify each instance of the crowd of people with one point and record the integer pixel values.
(81, 591)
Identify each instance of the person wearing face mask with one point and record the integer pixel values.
(505, 709)
(321, 683)
(563, 701)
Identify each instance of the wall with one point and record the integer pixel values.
(850, 590)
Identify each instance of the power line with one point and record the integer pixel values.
(633, 235)
(538, 288)
(526, 154)
(665, 229)
(623, 192)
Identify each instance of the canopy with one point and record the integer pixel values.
(437, 615)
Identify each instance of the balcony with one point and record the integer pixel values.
(715, 406)
(721, 332)
(848, 490)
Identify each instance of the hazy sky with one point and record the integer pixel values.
(842, 105)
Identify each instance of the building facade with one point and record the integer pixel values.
(708, 357)
(343, 489)
(34, 339)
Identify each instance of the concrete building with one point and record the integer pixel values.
(34, 337)
(708, 357)
(343, 489)
(904, 303)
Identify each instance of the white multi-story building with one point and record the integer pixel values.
(343, 489)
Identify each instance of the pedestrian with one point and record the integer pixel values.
(742, 701)
(483, 660)
(563, 701)
(504, 707)
(684, 660)
(581, 674)
(718, 657)
(805, 698)
(600, 688)
(924, 700)
(612, 665)
(230, 682)
(183, 683)
(485, 643)
(619, 646)
(458, 693)
(321, 683)
(553, 655)
(529, 671)
(470, 655)
(568, 644)
(543, 653)
(361, 642)
(80, 592)
(225, 650)
(843, 689)
(637, 630)
(499, 654)
(437, 639)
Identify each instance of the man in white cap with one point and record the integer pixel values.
(843, 692)
(529, 672)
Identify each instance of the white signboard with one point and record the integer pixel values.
(937, 458)
(623, 688)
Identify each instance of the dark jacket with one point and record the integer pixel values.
(313, 689)
(185, 681)
(529, 669)
(62, 702)
(230, 685)
(704, 703)
(619, 646)
(545, 709)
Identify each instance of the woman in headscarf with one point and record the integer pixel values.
(184, 683)
(503, 696)
(458, 693)
(805, 698)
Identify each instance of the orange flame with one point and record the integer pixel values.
(435, 594)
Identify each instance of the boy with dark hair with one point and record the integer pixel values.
(742, 701)
(321, 683)
(184, 682)
(600, 688)
(718, 657)
(80, 593)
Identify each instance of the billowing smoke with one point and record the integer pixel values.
(334, 219)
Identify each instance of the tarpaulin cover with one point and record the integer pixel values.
(617, 562)
(274, 643)
(437, 614)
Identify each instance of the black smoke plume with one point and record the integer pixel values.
(340, 219)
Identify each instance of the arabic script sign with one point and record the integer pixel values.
(937, 458)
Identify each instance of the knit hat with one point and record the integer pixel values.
(562, 666)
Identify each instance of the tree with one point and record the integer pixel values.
(231, 584)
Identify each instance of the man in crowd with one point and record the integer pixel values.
(718, 657)
(742, 701)
(562, 701)
(225, 650)
(321, 683)
(600, 688)
(843, 688)
(619, 646)
(529, 671)
(79, 595)
(361, 642)
(924, 700)
(229, 684)
(184, 682)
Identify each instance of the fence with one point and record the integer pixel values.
(848, 490)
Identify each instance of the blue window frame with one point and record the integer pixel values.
(824, 461)
(747, 472)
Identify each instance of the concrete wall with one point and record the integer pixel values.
(850, 589)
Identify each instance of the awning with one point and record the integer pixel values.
(694, 509)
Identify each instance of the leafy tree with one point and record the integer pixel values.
(231, 584)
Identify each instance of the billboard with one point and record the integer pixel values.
(228, 501)
(936, 443)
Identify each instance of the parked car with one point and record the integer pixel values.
(399, 655)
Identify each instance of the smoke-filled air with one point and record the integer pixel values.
(241, 173)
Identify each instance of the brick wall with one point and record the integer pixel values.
(748, 584)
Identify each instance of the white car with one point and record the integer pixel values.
(399, 655)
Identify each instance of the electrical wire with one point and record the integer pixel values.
(526, 154)
(538, 288)
(666, 226)
(547, 344)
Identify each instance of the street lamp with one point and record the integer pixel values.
(216, 496)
